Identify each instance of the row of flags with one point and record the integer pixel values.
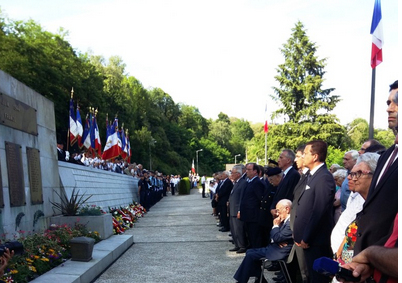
(87, 135)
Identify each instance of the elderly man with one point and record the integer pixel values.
(222, 197)
(281, 244)
(289, 180)
(236, 225)
(349, 160)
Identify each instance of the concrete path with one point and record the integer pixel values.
(176, 241)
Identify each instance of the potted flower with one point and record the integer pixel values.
(74, 211)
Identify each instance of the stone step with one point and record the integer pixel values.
(104, 254)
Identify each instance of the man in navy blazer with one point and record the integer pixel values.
(290, 178)
(314, 219)
(279, 248)
(250, 205)
(375, 221)
(222, 197)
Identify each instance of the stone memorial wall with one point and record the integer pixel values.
(30, 174)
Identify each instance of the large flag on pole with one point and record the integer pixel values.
(98, 143)
(128, 147)
(113, 144)
(80, 129)
(377, 35)
(192, 167)
(124, 150)
(266, 120)
(86, 136)
(73, 124)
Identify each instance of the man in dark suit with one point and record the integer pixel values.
(280, 247)
(250, 205)
(314, 219)
(236, 225)
(301, 185)
(222, 197)
(375, 221)
(271, 182)
(289, 179)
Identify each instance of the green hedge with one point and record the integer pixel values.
(184, 186)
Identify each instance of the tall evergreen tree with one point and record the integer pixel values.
(300, 78)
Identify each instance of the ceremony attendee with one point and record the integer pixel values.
(272, 180)
(250, 205)
(290, 178)
(339, 177)
(278, 249)
(62, 155)
(203, 179)
(349, 160)
(314, 217)
(222, 197)
(366, 144)
(237, 228)
(375, 221)
(301, 185)
(378, 263)
(361, 174)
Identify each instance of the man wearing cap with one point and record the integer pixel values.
(265, 217)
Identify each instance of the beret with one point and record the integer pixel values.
(272, 171)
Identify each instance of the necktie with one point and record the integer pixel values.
(390, 162)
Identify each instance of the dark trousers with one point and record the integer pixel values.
(223, 216)
(250, 266)
(203, 190)
(238, 232)
(311, 254)
(253, 232)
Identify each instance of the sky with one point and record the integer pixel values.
(222, 55)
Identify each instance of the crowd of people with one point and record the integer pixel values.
(298, 210)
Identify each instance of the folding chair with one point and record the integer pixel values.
(282, 264)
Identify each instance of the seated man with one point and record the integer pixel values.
(279, 248)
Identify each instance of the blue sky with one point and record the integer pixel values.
(221, 56)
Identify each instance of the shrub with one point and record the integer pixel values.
(184, 186)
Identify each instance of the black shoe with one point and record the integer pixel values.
(273, 267)
(231, 241)
(235, 249)
(241, 251)
(224, 230)
(230, 235)
(279, 278)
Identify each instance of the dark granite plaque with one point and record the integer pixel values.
(17, 115)
(15, 171)
(1, 190)
(35, 177)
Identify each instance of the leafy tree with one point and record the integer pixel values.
(300, 78)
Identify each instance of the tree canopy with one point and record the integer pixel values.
(171, 132)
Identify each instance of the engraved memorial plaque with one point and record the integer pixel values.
(15, 172)
(1, 190)
(35, 177)
(17, 115)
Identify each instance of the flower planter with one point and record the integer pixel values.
(102, 224)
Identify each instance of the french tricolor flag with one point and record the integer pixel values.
(378, 39)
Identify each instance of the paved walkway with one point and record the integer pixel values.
(176, 241)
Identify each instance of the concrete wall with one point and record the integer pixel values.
(108, 189)
(45, 142)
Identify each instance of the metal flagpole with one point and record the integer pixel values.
(371, 125)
